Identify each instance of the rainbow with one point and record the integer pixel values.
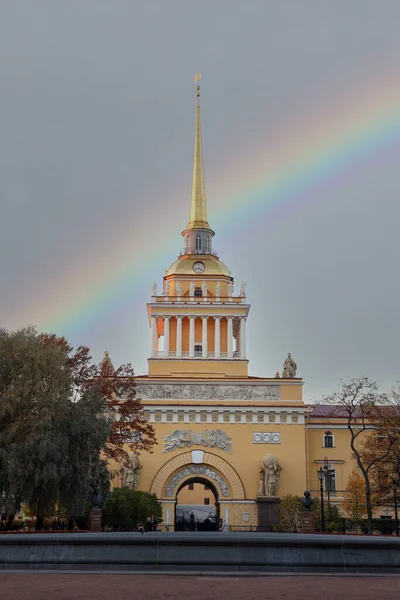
(288, 168)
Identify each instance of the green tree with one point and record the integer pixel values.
(50, 439)
(290, 514)
(125, 509)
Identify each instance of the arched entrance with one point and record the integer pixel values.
(192, 466)
(197, 505)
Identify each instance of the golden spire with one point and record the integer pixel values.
(198, 207)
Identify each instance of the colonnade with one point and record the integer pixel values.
(240, 353)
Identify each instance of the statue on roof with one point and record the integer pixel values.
(106, 366)
(289, 368)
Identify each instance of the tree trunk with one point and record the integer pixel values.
(10, 520)
(40, 512)
(369, 505)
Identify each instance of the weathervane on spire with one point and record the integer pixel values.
(197, 78)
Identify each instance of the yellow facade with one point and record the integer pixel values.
(214, 423)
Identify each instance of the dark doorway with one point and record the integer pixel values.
(197, 506)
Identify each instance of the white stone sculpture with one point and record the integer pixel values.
(191, 289)
(270, 473)
(130, 471)
(178, 289)
(243, 289)
(289, 367)
(185, 438)
(204, 289)
(231, 289)
(166, 289)
(218, 289)
(154, 289)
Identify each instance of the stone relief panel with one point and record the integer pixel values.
(266, 437)
(207, 391)
(197, 470)
(185, 438)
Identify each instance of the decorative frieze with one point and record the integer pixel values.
(185, 438)
(207, 391)
(266, 437)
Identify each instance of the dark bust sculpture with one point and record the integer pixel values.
(307, 501)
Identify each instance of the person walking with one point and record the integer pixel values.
(153, 523)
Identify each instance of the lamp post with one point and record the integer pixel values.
(395, 485)
(327, 482)
(321, 477)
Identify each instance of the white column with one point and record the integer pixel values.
(217, 338)
(153, 337)
(191, 337)
(166, 337)
(230, 337)
(178, 337)
(204, 338)
(242, 337)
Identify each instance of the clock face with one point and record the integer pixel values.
(198, 267)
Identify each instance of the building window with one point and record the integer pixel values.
(191, 486)
(198, 293)
(198, 242)
(198, 350)
(206, 501)
(328, 439)
(330, 480)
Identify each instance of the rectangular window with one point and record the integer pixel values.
(328, 440)
(191, 486)
(206, 501)
(330, 480)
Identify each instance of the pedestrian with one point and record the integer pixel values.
(140, 528)
(148, 526)
(153, 523)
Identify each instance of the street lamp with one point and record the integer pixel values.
(327, 482)
(321, 477)
(395, 485)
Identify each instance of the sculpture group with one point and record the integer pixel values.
(129, 473)
(270, 473)
(185, 438)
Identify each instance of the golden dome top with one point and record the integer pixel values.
(212, 266)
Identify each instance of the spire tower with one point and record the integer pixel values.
(198, 207)
(198, 232)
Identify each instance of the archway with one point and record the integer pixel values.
(212, 466)
(197, 505)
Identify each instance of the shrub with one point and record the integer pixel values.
(290, 511)
(125, 509)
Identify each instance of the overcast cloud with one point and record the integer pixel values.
(97, 125)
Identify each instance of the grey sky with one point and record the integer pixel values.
(97, 124)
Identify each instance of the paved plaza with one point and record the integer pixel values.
(114, 586)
